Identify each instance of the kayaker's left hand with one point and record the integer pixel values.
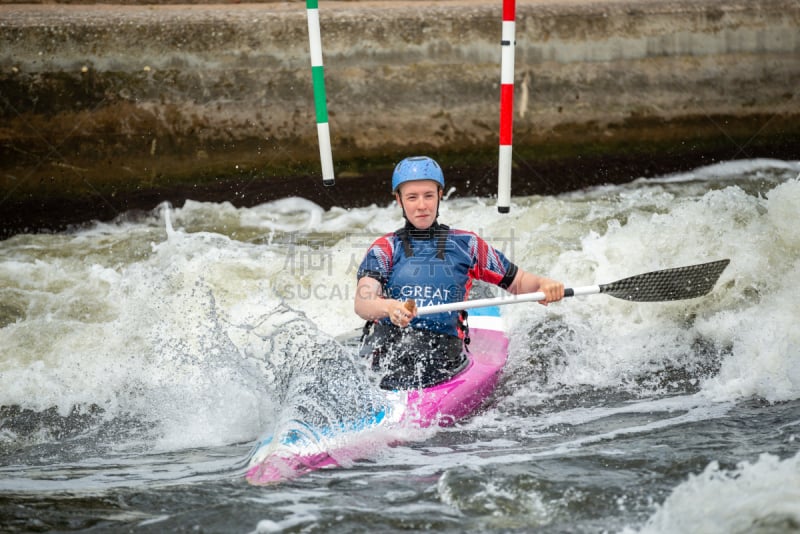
(552, 289)
(525, 282)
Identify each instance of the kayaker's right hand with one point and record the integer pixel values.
(400, 314)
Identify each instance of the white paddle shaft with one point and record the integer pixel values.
(501, 301)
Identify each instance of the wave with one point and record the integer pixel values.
(153, 328)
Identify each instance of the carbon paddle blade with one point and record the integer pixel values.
(679, 283)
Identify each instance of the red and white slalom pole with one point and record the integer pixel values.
(507, 43)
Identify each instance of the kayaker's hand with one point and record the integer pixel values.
(552, 289)
(525, 282)
(400, 314)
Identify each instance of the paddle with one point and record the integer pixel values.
(679, 283)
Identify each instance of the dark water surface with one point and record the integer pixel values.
(142, 359)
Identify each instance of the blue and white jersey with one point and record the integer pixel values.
(434, 266)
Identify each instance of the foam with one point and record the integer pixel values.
(758, 496)
(164, 317)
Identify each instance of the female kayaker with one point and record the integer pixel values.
(428, 263)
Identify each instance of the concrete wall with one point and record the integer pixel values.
(112, 107)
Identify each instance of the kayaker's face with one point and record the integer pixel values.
(420, 202)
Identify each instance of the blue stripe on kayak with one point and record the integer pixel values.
(488, 311)
(298, 436)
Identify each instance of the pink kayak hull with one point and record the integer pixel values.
(443, 405)
(451, 401)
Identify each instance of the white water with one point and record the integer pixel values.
(717, 500)
(182, 321)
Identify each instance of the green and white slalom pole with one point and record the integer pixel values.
(320, 103)
(507, 42)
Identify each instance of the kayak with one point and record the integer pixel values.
(301, 447)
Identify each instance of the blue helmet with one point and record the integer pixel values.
(417, 168)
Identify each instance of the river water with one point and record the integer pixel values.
(141, 359)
